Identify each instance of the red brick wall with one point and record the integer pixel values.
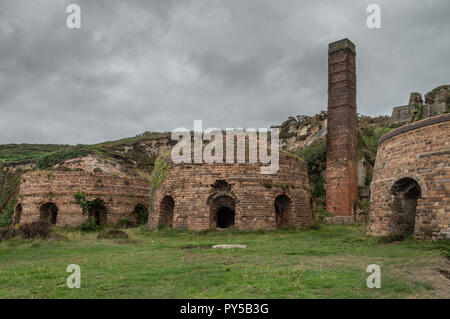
(420, 151)
(121, 194)
(192, 185)
(342, 154)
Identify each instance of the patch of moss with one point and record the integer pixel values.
(160, 171)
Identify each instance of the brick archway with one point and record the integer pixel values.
(48, 212)
(282, 205)
(166, 208)
(17, 214)
(402, 204)
(222, 211)
(98, 211)
(414, 176)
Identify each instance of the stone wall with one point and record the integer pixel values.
(198, 191)
(437, 102)
(120, 194)
(342, 154)
(413, 165)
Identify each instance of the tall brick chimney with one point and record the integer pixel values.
(342, 153)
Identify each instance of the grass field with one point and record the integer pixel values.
(327, 263)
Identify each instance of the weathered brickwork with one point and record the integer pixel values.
(342, 154)
(202, 196)
(410, 190)
(120, 194)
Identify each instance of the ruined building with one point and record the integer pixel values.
(436, 102)
(50, 195)
(410, 189)
(342, 154)
(204, 196)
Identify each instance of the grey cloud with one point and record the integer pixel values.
(155, 65)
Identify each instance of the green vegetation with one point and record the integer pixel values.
(90, 225)
(162, 167)
(9, 183)
(87, 205)
(368, 142)
(141, 214)
(20, 152)
(315, 157)
(61, 156)
(329, 262)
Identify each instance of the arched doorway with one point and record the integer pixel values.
(17, 214)
(404, 195)
(49, 212)
(166, 211)
(223, 211)
(282, 206)
(97, 210)
(140, 213)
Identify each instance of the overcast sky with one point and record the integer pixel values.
(156, 65)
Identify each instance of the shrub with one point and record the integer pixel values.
(313, 226)
(8, 233)
(112, 233)
(390, 238)
(126, 223)
(88, 225)
(141, 214)
(38, 229)
(320, 214)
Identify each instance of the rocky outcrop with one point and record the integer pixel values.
(299, 132)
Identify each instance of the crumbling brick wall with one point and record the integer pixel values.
(421, 152)
(120, 194)
(195, 187)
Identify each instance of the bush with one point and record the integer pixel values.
(8, 233)
(126, 223)
(313, 226)
(38, 229)
(393, 237)
(141, 214)
(112, 233)
(320, 214)
(88, 225)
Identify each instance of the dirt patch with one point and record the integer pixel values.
(445, 273)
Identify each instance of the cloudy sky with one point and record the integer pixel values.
(155, 65)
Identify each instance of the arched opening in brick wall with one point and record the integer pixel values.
(166, 208)
(282, 207)
(404, 195)
(140, 213)
(223, 211)
(48, 212)
(97, 210)
(17, 214)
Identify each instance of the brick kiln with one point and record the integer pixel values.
(204, 196)
(49, 195)
(410, 190)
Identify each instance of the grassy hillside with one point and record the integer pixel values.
(20, 152)
(327, 263)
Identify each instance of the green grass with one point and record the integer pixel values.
(326, 263)
(19, 152)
